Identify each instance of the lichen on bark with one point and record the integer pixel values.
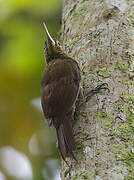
(100, 36)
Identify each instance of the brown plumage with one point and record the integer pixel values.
(60, 88)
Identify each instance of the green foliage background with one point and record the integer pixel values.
(21, 64)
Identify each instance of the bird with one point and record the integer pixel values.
(60, 87)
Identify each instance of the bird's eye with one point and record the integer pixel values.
(58, 43)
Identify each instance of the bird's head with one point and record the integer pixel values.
(52, 47)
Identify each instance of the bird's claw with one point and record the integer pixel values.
(96, 90)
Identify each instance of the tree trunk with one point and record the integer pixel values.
(100, 36)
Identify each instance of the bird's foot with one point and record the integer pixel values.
(96, 90)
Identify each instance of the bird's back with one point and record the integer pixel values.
(60, 86)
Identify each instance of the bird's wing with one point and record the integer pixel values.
(58, 97)
(59, 91)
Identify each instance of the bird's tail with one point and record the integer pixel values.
(66, 139)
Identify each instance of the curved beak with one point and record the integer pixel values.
(49, 38)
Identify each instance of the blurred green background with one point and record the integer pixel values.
(27, 146)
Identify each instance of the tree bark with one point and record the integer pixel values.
(100, 36)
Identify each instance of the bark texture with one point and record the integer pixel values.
(100, 36)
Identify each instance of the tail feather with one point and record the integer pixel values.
(66, 140)
(61, 142)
